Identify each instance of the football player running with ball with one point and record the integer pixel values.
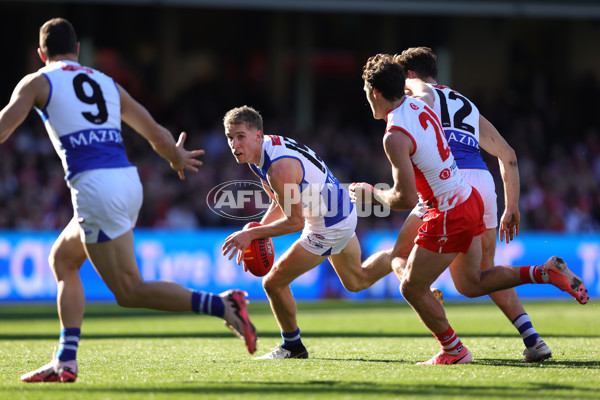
(424, 170)
(308, 198)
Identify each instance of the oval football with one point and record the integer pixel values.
(263, 254)
(259, 255)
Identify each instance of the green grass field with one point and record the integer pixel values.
(358, 351)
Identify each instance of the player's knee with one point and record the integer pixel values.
(53, 261)
(61, 264)
(129, 300)
(408, 290)
(399, 266)
(265, 285)
(470, 293)
(129, 296)
(468, 286)
(270, 285)
(124, 299)
(355, 285)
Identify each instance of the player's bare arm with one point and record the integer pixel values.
(418, 89)
(284, 176)
(274, 212)
(161, 140)
(32, 90)
(491, 141)
(403, 195)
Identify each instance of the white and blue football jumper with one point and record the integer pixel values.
(460, 121)
(83, 118)
(325, 202)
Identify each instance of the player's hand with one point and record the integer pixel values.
(187, 159)
(509, 225)
(236, 243)
(361, 192)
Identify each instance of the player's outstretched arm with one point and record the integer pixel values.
(161, 140)
(491, 141)
(29, 92)
(403, 195)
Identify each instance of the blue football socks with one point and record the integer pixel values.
(525, 327)
(208, 303)
(291, 339)
(68, 343)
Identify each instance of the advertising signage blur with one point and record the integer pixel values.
(193, 259)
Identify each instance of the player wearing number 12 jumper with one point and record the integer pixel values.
(424, 168)
(82, 109)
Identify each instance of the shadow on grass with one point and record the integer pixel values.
(493, 362)
(329, 388)
(110, 313)
(47, 310)
(270, 335)
(499, 362)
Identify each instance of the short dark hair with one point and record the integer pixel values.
(243, 115)
(421, 60)
(57, 36)
(382, 73)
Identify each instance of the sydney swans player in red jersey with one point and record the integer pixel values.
(424, 170)
(467, 131)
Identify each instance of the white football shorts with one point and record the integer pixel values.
(330, 240)
(482, 180)
(106, 202)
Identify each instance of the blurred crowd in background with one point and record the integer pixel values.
(551, 118)
(559, 176)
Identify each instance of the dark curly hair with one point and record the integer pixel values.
(382, 73)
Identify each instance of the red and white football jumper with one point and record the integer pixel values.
(455, 209)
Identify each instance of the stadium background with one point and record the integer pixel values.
(532, 67)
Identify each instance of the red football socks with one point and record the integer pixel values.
(449, 341)
(533, 274)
